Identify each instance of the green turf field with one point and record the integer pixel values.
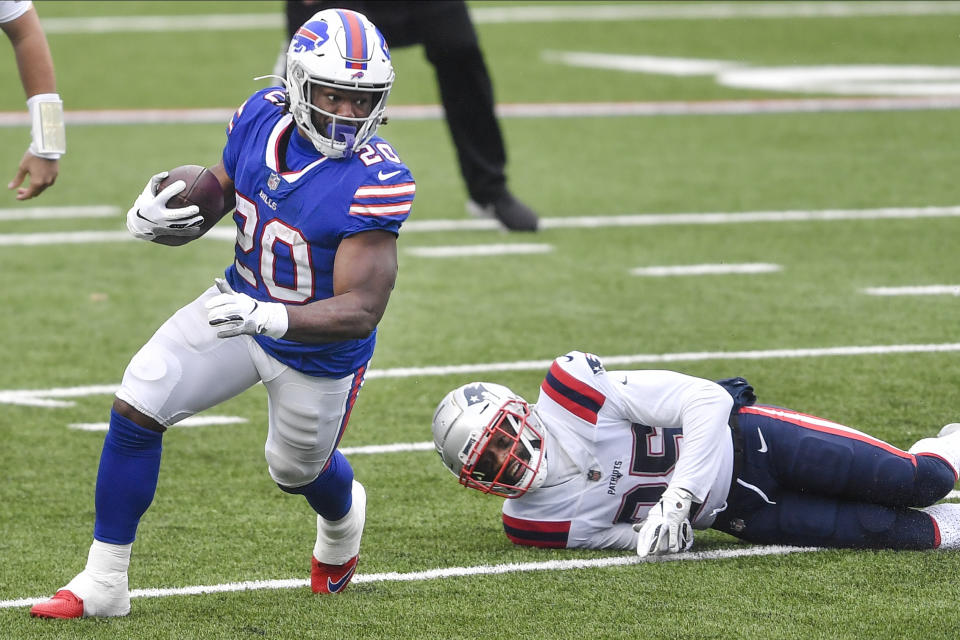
(75, 312)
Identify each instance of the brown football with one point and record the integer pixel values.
(203, 189)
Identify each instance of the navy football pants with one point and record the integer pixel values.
(803, 480)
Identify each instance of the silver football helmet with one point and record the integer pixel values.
(341, 49)
(487, 436)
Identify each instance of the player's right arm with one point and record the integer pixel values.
(226, 183)
(364, 273)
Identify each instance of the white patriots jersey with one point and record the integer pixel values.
(629, 434)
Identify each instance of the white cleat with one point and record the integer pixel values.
(947, 429)
(946, 445)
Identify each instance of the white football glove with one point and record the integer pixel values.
(236, 313)
(666, 528)
(149, 216)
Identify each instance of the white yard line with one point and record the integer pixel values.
(570, 12)
(229, 234)
(51, 398)
(449, 572)
(705, 269)
(194, 421)
(925, 290)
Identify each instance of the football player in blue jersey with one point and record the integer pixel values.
(638, 459)
(319, 202)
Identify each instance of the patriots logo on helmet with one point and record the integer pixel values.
(475, 394)
(595, 365)
(310, 36)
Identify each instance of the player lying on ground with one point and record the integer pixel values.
(637, 459)
(320, 200)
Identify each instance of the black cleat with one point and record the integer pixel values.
(512, 214)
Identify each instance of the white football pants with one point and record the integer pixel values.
(185, 368)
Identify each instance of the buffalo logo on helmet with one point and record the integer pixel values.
(310, 36)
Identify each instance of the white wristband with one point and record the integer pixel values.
(275, 320)
(47, 129)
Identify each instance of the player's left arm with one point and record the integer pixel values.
(364, 273)
(701, 409)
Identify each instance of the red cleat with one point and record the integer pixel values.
(331, 578)
(64, 604)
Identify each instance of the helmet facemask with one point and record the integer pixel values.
(521, 469)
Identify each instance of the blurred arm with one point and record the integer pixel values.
(34, 61)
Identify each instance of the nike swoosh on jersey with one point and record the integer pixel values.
(763, 443)
(387, 176)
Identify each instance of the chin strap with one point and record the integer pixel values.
(345, 133)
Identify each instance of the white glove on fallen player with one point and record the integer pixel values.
(149, 216)
(236, 313)
(666, 528)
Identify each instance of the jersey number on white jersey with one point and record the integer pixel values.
(655, 452)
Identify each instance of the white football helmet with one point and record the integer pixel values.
(486, 436)
(341, 49)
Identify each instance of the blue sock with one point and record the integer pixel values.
(331, 494)
(126, 480)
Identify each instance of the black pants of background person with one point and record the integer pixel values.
(450, 43)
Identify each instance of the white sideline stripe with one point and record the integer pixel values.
(399, 447)
(42, 397)
(525, 110)
(195, 421)
(228, 233)
(546, 13)
(448, 572)
(534, 365)
(666, 219)
(49, 213)
(478, 250)
(706, 269)
(926, 290)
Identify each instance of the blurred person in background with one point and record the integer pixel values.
(450, 42)
(639, 459)
(40, 163)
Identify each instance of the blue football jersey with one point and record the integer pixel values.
(294, 206)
